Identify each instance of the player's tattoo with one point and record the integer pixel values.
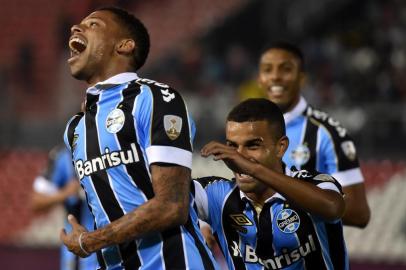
(172, 183)
(168, 208)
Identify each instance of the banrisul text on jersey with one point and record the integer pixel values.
(108, 160)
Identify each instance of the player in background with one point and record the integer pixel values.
(266, 218)
(58, 185)
(132, 151)
(317, 141)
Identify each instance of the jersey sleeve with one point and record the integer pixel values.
(69, 134)
(338, 155)
(216, 190)
(322, 180)
(164, 127)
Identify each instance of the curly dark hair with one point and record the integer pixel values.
(136, 30)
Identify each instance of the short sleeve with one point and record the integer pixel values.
(216, 189)
(339, 157)
(164, 125)
(322, 180)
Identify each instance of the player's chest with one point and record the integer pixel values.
(302, 144)
(107, 131)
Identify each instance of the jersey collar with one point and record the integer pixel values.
(116, 79)
(297, 111)
(288, 172)
(276, 195)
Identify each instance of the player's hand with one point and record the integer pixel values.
(71, 240)
(232, 158)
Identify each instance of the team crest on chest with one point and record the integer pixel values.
(115, 121)
(288, 221)
(173, 126)
(300, 155)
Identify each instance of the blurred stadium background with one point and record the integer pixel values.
(208, 50)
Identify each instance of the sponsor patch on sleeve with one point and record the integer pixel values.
(173, 126)
(349, 150)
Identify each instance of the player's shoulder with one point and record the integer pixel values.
(69, 135)
(316, 178)
(310, 175)
(161, 95)
(215, 181)
(75, 118)
(153, 84)
(322, 118)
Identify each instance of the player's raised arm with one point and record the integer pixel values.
(328, 204)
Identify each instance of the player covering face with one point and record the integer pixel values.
(266, 217)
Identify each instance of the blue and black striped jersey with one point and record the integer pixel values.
(129, 124)
(279, 236)
(318, 142)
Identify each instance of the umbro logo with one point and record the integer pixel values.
(241, 220)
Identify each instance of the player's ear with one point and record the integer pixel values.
(125, 46)
(282, 146)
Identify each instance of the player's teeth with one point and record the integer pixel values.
(78, 40)
(74, 52)
(277, 89)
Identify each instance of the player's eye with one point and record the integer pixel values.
(93, 24)
(231, 144)
(286, 68)
(253, 147)
(266, 69)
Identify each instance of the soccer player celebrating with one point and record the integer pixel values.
(317, 141)
(266, 218)
(132, 151)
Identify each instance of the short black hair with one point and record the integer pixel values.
(259, 109)
(137, 31)
(289, 47)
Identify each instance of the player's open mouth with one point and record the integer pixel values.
(276, 89)
(244, 177)
(77, 46)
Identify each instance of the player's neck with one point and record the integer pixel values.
(108, 72)
(291, 106)
(259, 198)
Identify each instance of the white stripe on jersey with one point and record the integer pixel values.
(169, 154)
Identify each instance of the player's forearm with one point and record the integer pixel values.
(357, 212)
(356, 217)
(326, 204)
(153, 216)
